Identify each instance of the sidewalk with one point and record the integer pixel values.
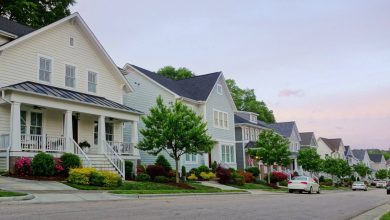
(14, 184)
(374, 214)
(219, 186)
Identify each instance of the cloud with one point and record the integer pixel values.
(291, 92)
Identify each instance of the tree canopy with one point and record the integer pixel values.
(361, 169)
(381, 174)
(336, 167)
(310, 160)
(175, 129)
(175, 74)
(246, 100)
(271, 148)
(35, 13)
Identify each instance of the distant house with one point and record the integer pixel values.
(352, 160)
(331, 147)
(388, 164)
(308, 139)
(247, 129)
(378, 161)
(362, 156)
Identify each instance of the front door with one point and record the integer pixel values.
(75, 125)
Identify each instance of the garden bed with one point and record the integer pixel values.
(4, 193)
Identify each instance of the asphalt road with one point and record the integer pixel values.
(328, 206)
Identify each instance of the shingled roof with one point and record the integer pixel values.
(306, 138)
(241, 120)
(333, 144)
(283, 128)
(359, 154)
(196, 88)
(14, 28)
(376, 158)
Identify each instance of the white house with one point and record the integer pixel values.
(330, 147)
(59, 87)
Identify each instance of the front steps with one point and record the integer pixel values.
(100, 162)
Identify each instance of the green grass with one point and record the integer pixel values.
(334, 188)
(260, 186)
(10, 194)
(386, 216)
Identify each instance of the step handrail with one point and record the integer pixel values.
(78, 150)
(115, 159)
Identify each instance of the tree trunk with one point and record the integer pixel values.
(177, 171)
(269, 174)
(333, 183)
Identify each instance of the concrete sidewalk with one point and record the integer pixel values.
(374, 214)
(219, 186)
(14, 184)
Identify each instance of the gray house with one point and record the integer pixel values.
(308, 139)
(207, 95)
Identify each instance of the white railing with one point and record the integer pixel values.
(115, 159)
(55, 144)
(83, 156)
(122, 148)
(31, 142)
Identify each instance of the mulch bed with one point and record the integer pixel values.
(182, 185)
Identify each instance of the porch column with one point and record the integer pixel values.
(15, 127)
(101, 133)
(295, 165)
(68, 131)
(134, 137)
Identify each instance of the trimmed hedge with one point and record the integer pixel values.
(93, 177)
(70, 161)
(43, 165)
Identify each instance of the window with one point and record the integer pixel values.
(253, 118)
(219, 89)
(109, 132)
(70, 76)
(252, 134)
(246, 133)
(71, 41)
(96, 133)
(44, 69)
(192, 158)
(92, 81)
(257, 134)
(221, 119)
(227, 153)
(36, 123)
(23, 124)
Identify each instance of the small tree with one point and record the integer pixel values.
(344, 169)
(162, 161)
(331, 166)
(361, 169)
(381, 174)
(310, 160)
(272, 149)
(175, 129)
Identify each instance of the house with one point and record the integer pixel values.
(352, 160)
(308, 140)
(289, 130)
(59, 87)
(378, 161)
(247, 129)
(362, 156)
(207, 95)
(331, 147)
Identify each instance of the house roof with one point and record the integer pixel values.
(241, 120)
(14, 28)
(333, 144)
(376, 158)
(306, 138)
(55, 92)
(359, 154)
(283, 128)
(347, 150)
(196, 88)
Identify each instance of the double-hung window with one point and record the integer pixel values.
(44, 69)
(246, 133)
(221, 119)
(227, 153)
(252, 134)
(92, 81)
(70, 76)
(23, 123)
(191, 158)
(36, 123)
(109, 132)
(219, 89)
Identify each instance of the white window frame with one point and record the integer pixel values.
(71, 40)
(252, 133)
(193, 158)
(219, 89)
(257, 133)
(95, 83)
(74, 78)
(246, 134)
(222, 120)
(50, 71)
(228, 154)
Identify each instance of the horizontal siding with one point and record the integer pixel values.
(5, 117)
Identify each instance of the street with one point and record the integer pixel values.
(333, 205)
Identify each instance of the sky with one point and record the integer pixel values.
(323, 64)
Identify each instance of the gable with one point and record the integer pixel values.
(225, 92)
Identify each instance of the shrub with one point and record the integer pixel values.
(140, 169)
(278, 177)
(142, 177)
(203, 168)
(162, 161)
(248, 177)
(128, 169)
(254, 170)
(322, 179)
(237, 179)
(192, 177)
(70, 161)
(171, 173)
(224, 175)
(58, 167)
(111, 179)
(161, 179)
(96, 179)
(80, 176)
(183, 172)
(214, 166)
(23, 166)
(283, 183)
(155, 170)
(207, 176)
(194, 171)
(42, 165)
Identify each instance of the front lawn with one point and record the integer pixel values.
(386, 216)
(260, 186)
(131, 187)
(10, 194)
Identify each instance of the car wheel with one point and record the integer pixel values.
(290, 191)
(300, 191)
(311, 190)
(353, 189)
(365, 189)
(318, 191)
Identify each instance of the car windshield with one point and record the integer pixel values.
(300, 178)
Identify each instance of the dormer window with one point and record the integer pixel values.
(219, 89)
(253, 118)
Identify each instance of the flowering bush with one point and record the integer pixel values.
(278, 177)
(155, 170)
(192, 177)
(23, 166)
(207, 176)
(254, 170)
(58, 165)
(140, 169)
(224, 175)
(81, 175)
(248, 176)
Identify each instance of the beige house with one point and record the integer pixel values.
(331, 147)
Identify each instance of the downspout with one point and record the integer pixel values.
(9, 145)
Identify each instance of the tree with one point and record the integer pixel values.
(35, 13)
(310, 160)
(272, 149)
(175, 74)
(246, 100)
(361, 169)
(175, 129)
(336, 167)
(344, 169)
(381, 174)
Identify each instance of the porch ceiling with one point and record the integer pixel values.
(55, 92)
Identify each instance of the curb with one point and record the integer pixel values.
(17, 198)
(178, 194)
(374, 213)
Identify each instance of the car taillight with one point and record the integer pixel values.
(304, 182)
(289, 182)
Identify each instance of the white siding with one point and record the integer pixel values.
(5, 117)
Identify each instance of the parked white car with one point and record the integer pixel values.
(303, 183)
(358, 185)
(381, 184)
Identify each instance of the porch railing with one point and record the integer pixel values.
(122, 148)
(83, 156)
(31, 142)
(115, 159)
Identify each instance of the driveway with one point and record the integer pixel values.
(342, 205)
(14, 184)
